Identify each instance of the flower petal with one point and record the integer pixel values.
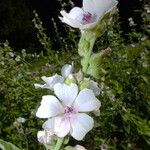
(51, 81)
(88, 6)
(103, 6)
(66, 93)
(66, 70)
(49, 125)
(81, 124)
(62, 126)
(73, 18)
(50, 106)
(86, 101)
(43, 86)
(76, 13)
(89, 25)
(43, 137)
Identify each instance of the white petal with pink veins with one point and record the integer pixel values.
(81, 124)
(61, 126)
(50, 106)
(88, 6)
(66, 93)
(86, 101)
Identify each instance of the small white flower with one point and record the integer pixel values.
(44, 137)
(21, 120)
(51, 81)
(89, 15)
(67, 112)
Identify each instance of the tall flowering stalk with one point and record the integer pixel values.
(68, 110)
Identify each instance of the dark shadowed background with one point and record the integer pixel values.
(16, 19)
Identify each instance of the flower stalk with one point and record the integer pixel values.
(85, 48)
(59, 144)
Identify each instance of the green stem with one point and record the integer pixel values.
(59, 144)
(85, 48)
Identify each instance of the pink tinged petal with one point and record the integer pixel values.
(66, 70)
(49, 125)
(50, 106)
(43, 137)
(81, 124)
(86, 101)
(88, 6)
(62, 126)
(103, 6)
(66, 93)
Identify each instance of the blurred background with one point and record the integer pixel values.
(17, 27)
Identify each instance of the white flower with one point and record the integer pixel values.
(67, 73)
(89, 15)
(44, 137)
(51, 81)
(21, 120)
(67, 115)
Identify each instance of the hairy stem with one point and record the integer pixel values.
(85, 48)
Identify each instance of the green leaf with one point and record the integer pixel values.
(7, 146)
(94, 68)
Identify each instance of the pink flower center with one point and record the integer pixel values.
(68, 111)
(87, 17)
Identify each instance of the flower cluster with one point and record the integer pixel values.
(66, 110)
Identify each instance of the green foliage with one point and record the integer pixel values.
(7, 146)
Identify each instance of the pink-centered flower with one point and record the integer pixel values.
(67, 111)
(89, 15)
